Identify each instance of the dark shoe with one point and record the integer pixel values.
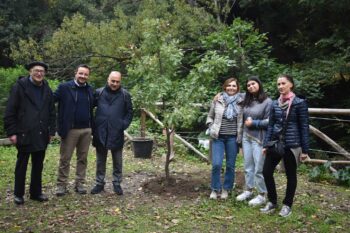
(269, 208)
(61, 191)
(40, 198)
(80, 189)
(97, 189)
(118, 189)
(18, 200)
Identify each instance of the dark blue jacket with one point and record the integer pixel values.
(297, 131)
(113, 115)
(31, 120)
(66, 96)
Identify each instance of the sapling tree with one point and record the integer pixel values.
(157, 71)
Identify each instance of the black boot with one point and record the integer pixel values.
(18, 200)
(118, 189)
(97, 189)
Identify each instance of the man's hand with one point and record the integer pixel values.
(264, 151)
(13, 139)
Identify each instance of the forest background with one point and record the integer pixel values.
(180, 51)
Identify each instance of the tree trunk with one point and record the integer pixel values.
(167, 159)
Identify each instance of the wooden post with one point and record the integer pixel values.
(5, 142)
(322, 161)
(127, 135)
(143, 123)
(331, 111)
(330, 142)
(178, 137)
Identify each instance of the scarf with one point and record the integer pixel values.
(231, 111)
(285, 101)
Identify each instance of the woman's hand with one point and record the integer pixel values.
(264, 151)
(248, 122)
(304, 157)
(217, 96)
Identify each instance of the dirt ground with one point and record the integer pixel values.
(183, 185)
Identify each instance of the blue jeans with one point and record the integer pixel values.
(253, 164)
(224, 144)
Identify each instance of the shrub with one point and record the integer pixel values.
(7, 78)
(343, 176)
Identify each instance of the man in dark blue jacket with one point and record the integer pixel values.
(113, 115)
(75, 118)
(29, 123)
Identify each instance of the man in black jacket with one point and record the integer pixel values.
(113, 115)
(29, 123)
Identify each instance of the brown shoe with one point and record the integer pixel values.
(80, 189)
(61, 191)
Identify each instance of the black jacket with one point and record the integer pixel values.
(31, 121)
(297, 132)
(113, 115)
(66, 96)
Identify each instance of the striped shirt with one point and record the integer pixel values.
(228, 127)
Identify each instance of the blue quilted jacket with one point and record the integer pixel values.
(297, 132)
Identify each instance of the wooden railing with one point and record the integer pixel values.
(315, 131)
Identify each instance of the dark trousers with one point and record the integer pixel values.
(101, 158)
(36, 174)
(290, 165)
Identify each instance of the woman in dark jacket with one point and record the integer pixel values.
(291, 112)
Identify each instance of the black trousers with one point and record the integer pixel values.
(290, 165)
(101, 158)
(36, 174)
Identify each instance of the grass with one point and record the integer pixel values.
(318, 207)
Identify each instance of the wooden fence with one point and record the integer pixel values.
(312, 111)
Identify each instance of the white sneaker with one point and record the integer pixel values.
(244, 196)
(285, 211)
(258, 200)
(213, 195)
(224, 194)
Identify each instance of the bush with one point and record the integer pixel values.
(321, 173)
(343, 176)
(7, 78)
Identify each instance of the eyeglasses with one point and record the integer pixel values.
(39, 71)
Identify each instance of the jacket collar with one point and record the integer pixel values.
(73, 90)
(25, 82)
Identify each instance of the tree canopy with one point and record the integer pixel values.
(186, 48)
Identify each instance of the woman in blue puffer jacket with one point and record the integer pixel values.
(291, 111)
